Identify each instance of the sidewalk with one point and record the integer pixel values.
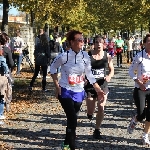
(40, 122)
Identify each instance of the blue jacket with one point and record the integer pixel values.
(4, 65)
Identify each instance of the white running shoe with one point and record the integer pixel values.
(145, 140)
(2, 117)
(131, 126)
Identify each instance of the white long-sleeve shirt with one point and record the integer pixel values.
(141, 64)
(73, 67)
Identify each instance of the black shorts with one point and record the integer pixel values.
(90, 89)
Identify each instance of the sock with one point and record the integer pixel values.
(145, 135)
(89, 116)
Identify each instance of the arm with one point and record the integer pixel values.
(53, 70)
(110, 66)
(133, 67)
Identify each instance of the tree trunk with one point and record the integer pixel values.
(149, 25)
(4, 26)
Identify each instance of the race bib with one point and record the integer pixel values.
(75, 79)
(146, 77)
(98, 73)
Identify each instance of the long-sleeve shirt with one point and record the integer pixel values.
(73, 68)
(140, 64)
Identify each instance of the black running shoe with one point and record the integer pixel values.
(90, 117)
(97, 134)
(30, 88)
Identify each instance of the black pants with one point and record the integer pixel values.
(129, 56)
(36, 71)
(119, 59)
(71, 108)
(142, 98)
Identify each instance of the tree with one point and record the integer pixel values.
(4, 26)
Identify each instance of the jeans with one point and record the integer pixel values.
(71, 109)
(129, 56)
(119, 59)
(142, 98)
(1, 107)
(18, 61)
(36, 71)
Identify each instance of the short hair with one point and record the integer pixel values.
(96, 37)
(71, 35)
(146, 37)
(3, 39)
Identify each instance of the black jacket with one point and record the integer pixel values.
(42, 54)
(54, 47)
(8, 55)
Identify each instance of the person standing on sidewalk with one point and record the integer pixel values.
(119, 49)
(70, 88)
(100, 60)
(16, 46)
(42, 56)
(130, 50)
(142, 89)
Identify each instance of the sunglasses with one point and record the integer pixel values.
(98, 42)
(79, 40)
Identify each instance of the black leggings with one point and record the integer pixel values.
(142, 99)
(37, 69)
(71, 108)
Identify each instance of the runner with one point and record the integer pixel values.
(119, 49)
(142, 89)
(70, 89)
(99, 61)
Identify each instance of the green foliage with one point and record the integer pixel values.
(89, 16)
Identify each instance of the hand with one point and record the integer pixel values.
(107, 78)
(141, 85)
(58, 91)
(100, 95)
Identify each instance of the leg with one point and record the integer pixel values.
(100, 113)
(118, 60)
(36, 71)
(128, 56)
(69, 108)
(44, 70)
(131, 55)
(121, 59)
(19, 61)
(90, 102)
(147, 122)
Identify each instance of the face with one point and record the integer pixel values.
(99, 44)
(147, 44)
(119, 37)
(78, 42)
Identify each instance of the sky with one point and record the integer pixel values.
(12, 10)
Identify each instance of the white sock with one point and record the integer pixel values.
(145, 135)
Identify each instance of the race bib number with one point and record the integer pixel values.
(75, 79)
(98, 73)
(146, 78)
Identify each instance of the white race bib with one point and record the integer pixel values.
(146, 77)
(75, 79)
(98, 73)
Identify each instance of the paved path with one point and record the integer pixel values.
(41, 125)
